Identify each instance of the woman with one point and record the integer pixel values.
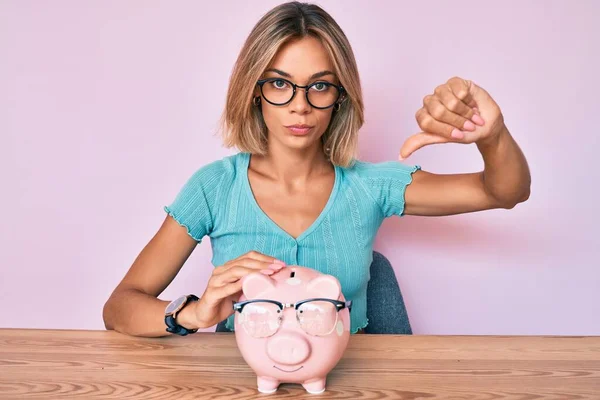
(295, 194)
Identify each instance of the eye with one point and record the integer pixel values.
(320, 86)
(279, 84)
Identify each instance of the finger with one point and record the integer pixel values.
(217, 294)
(229, 279)
(415, 142)
(227, 290)
(484, 102)
(462, 89)
(248, 263)
(261, 257)
(438, 110)
(236, 273)
(453, 103)
(253, 255)
(431, 125)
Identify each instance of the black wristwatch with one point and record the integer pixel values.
(171, 314)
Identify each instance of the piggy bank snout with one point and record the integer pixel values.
(288, 348)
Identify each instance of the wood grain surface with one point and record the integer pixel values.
(46, 364)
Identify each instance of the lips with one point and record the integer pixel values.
(299, 129)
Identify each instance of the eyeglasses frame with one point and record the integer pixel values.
(261, 82)
(339, 305)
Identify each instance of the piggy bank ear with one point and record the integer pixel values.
(325, 286)
(255, 284)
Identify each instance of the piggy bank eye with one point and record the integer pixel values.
(317, 317)
(260, 319)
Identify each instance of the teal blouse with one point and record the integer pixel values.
(217, 201)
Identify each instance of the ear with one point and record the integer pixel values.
(325, 286)
(255, 284)
(257, 90)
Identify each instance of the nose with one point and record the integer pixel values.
(288, 348)
(299, 103)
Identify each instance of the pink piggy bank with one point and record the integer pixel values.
(292, 327)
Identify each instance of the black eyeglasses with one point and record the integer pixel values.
(320, 94)
(262, 318)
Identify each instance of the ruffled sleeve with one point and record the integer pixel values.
(387, 183)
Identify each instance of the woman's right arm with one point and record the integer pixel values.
(134, 309)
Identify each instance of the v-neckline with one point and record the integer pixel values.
(315, 223)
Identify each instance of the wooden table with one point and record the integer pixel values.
(99, 364)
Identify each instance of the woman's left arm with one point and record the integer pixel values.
(459, 111)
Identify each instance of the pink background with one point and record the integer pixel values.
(107, 107)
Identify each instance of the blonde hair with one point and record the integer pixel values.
(242, 124)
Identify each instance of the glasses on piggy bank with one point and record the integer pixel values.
(317, 317)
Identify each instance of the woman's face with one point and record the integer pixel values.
(302, 62)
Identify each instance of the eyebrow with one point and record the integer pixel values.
(313, 76)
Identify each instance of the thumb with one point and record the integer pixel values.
(417, 141)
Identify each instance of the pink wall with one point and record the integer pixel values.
(107, 107)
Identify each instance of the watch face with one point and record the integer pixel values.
(175, 304)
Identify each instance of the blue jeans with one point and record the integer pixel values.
(385, 305)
